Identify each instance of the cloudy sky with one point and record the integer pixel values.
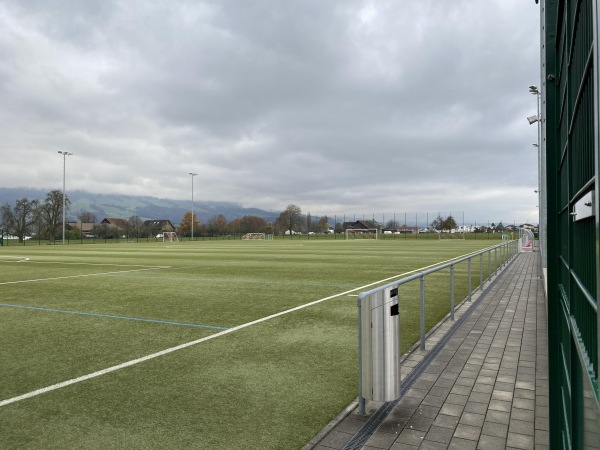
(338, 106)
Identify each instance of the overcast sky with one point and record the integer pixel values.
(339, 107)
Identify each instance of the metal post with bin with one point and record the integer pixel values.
(379, 346)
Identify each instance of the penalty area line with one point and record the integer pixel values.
(167, 351)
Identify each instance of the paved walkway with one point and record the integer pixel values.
(487, 387)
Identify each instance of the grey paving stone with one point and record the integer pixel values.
(494, 429)
(461, 390)
(499, 405)
(432, 400)
(349, 425)
(497, 416)
(475, 407)
(541, 423)
(520, 441)
(432, 445)
(440, 434)
(381, 440)
(411, 437)
(467, 432)
(483, 388)
(524, 393)
(336, 439)
(521, 427)
(452, 410)
(524, 403)
(446, 421)
(491, 442)
(462, 444)
(480, 397)
(419, 423)
(457, 399)
(472, 419)
(401, 446)
(522, 414)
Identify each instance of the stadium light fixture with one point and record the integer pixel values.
(533, 119)
(193, 175)
(64, 216)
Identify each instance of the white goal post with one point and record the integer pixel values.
(354, 233)
(170, 236)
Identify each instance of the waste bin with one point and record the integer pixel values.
(379, 345)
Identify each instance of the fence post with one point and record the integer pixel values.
(470, 290)
(452, 292)
(422, 347)
(481, 271)
(495, 260)
(361, 400)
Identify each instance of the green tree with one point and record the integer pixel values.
(449, 223)
(18, 221)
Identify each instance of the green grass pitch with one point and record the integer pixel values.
(70, 311)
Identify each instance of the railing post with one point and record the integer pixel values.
(422, 312)
(361, 400)
(452, 292)
(495, 260)
(489, 277)
(470, 290)
(481, 271)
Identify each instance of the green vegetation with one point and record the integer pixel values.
(273, 384)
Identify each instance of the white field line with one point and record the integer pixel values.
(198, 341)
(84, 275)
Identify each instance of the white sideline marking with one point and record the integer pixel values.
(198, 341)
(84, 275)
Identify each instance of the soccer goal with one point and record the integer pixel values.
(170, 236)
(369, 233)
(254, 236)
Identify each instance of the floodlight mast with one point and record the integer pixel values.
(193, 175)
(65, 154)
(533, 90)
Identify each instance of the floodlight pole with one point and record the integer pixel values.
(533, 90)
(193, 175)
(65, 154)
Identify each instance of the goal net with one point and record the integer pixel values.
(170, 236)
(370, 233)
(253, 236)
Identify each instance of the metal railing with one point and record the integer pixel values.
(502, 254)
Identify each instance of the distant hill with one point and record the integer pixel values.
(125, 206)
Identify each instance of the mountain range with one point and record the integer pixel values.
(126, 206)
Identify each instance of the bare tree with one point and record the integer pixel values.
(19, 220)
(323, 224)
(290, 219)
(87, 217)
(134, 225)
(51, 212)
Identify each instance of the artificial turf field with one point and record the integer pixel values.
(77, 310)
